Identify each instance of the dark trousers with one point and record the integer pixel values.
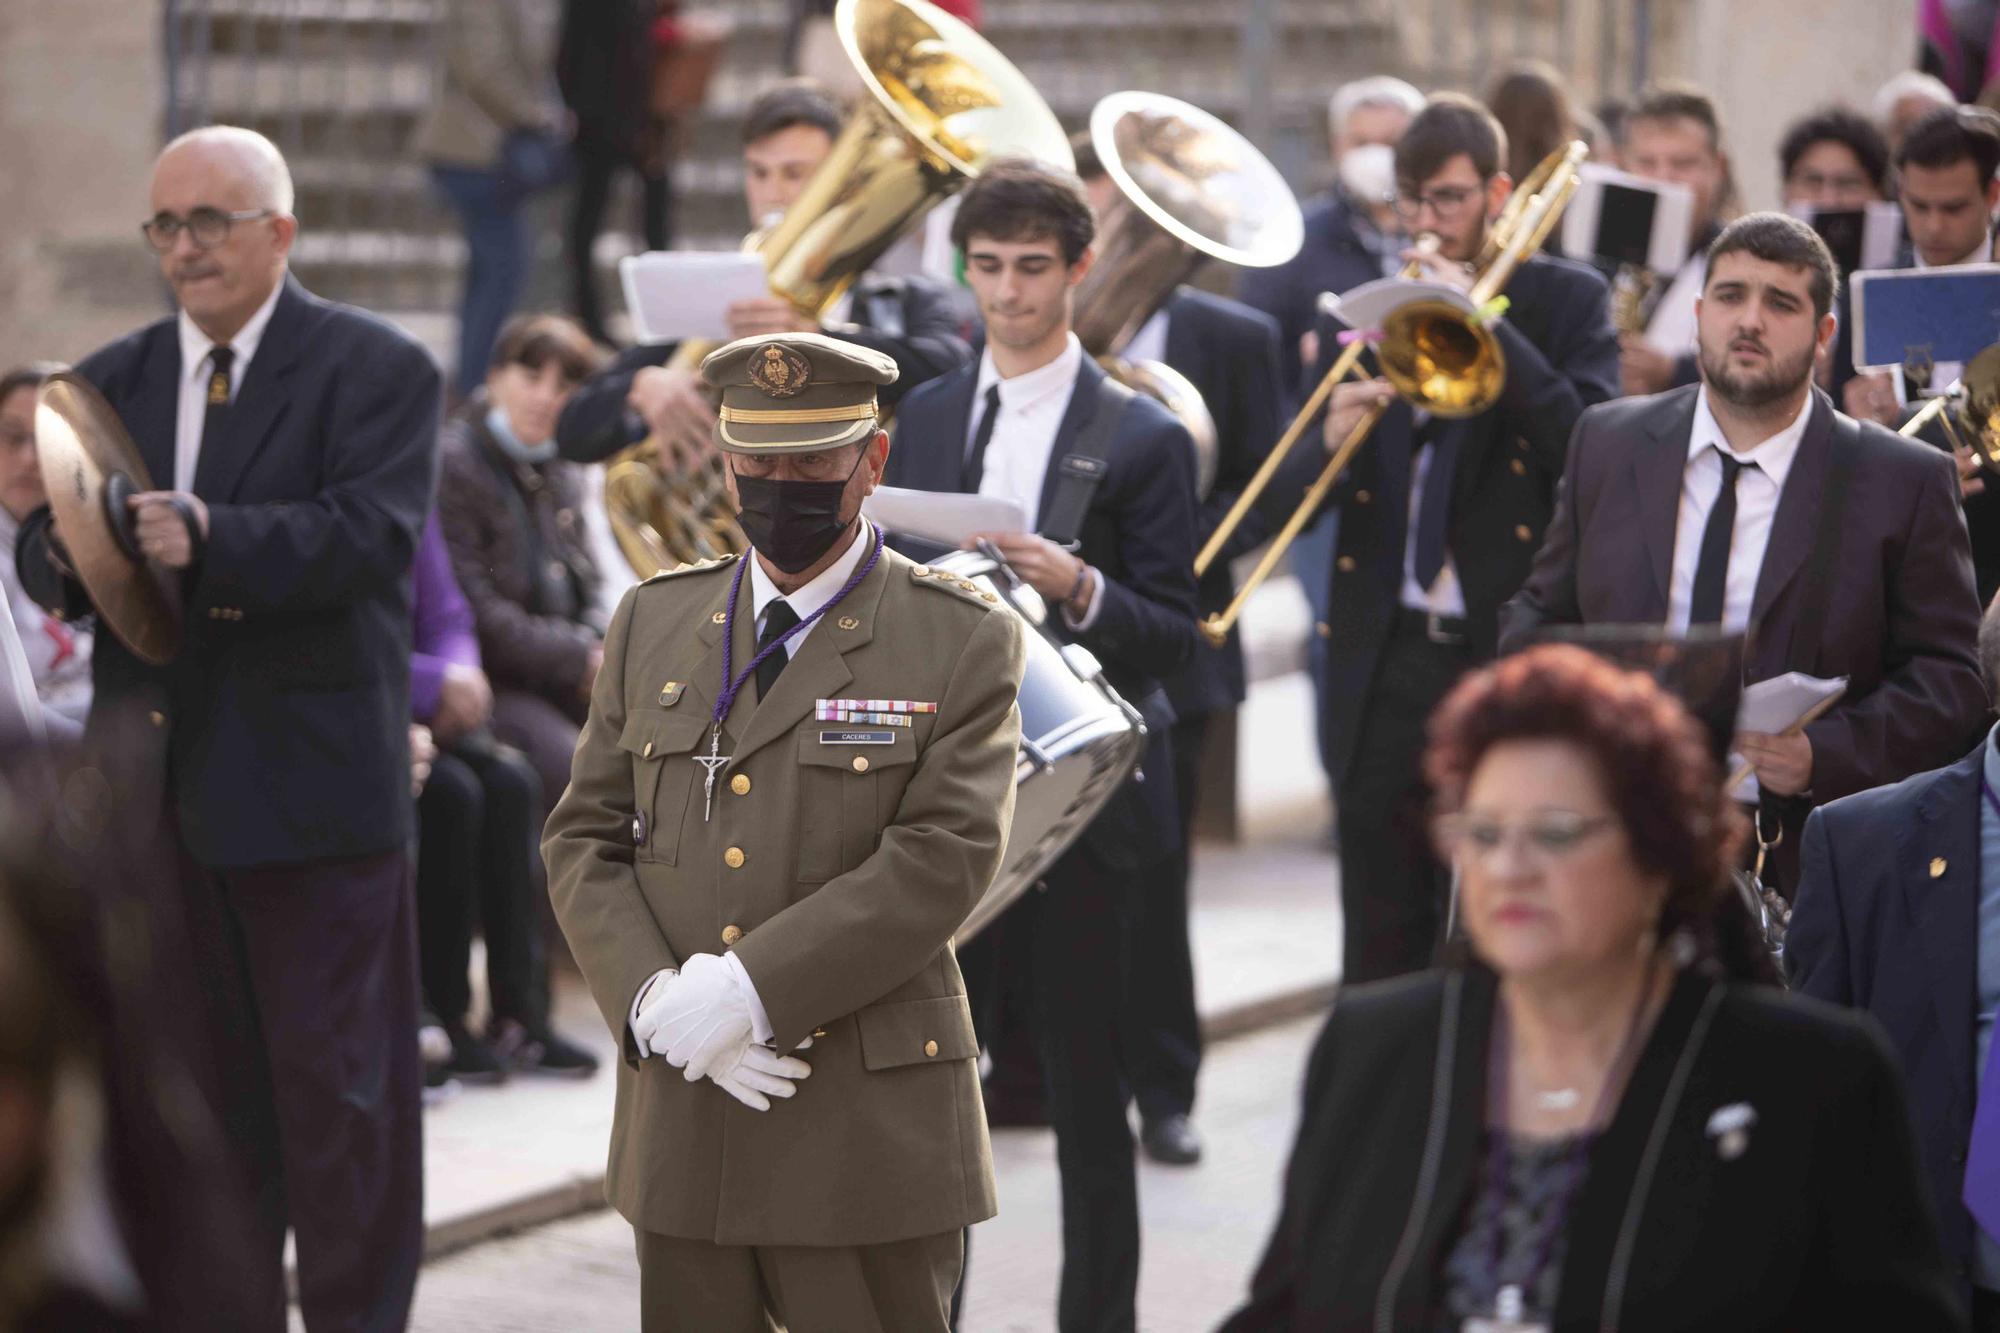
(478, 867)
(1162, 1034)
(309, 998)
(1392, 888)
(1985, 1310)
(546, 734)
(597, 166)
(498, 250)
(1071, 941)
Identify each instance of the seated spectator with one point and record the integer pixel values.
(511, 515)
(58, 654)
(477, 862)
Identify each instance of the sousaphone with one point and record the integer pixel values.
(90, 469)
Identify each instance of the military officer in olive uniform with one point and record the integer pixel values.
(795, 782)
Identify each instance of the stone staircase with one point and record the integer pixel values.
(342, 84)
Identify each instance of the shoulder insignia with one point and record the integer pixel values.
(698, 567)
(945, 579)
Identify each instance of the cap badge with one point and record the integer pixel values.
(779, 371)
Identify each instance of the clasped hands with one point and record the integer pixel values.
(698, 1020)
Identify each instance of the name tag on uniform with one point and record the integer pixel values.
(857, 738)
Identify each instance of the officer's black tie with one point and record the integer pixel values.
(778, 618)
(1711, 569)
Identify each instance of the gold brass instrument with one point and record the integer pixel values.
(940, 102)
(1968, 410)
(1634, 290)
(1190, 189)
(1435, 353)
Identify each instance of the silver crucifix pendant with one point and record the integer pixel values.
(713, 762)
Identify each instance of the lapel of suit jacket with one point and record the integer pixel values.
(152, 413)
(819, 668)
(1082, 405)
(1945, 907)
(1792, 530)
(940, 462)
(1659, 470)
(260, 402)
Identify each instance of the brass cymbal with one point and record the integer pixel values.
(89, 468)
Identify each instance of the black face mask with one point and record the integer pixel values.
(792, 523)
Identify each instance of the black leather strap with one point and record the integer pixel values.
(1080, 471)
(1802, 652)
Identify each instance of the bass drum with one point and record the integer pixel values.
(1079, 741)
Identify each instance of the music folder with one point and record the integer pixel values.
(1860, 238)
(1925, 316)
(1615, 219)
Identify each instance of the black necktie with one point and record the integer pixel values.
(216, 395)
(1711, 570)
(1435, 506)
(777, 619)
(975, 462)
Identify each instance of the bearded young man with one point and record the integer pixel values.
(1749, 502)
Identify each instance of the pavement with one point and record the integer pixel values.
(1203, 1227)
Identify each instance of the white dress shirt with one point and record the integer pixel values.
(195, 347)
(1757, 492)
(1445, 597)
(805, 601)
(1671, 330)
(1032, 405)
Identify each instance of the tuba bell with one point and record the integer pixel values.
(939, 102)
(1190, 189)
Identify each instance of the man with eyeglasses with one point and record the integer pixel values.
(291, 442)
(1438, 521)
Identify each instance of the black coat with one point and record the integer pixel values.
(1334, 258)
(1887, 920)
(1138, 533)
(280, 734)
(1821, 1223)
(918, 322)
(1229, 352)
(1562, 356)
(1900, 618)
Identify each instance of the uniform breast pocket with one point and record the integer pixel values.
(662, 747)
(849, 778)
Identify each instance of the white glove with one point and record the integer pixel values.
(696, 1016)
(758, 1073)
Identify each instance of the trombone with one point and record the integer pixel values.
(1434, 352)
(1968, 410)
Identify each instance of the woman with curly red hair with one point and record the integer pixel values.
(1586, 1122)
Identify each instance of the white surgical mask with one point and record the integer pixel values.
(1369, 172)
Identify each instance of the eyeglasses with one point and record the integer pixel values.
(208, 226)
(1447, 203)
(1545, 838)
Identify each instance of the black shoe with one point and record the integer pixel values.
(1171, 1140)
(472, 1060)
(539, 1050)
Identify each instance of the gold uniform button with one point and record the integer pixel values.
(731, 934)
(860, 763)
(1517, 467)
(990, 596)
(157, 718)
(1938, 867)
(849, 622)
(1522, 532)
(1362, 497)
(1324, 630)
(922, 571)
(733, 858)
(818, 1033)
(1345, 564)
(930, 1048)
(718, 617)
(740, 784)
(648, 751)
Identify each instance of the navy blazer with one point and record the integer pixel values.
(1138, 533)
(1562, 356)
(1229, 352)
(920, 323)
(1887, 920)
(280, 733)
(1334, 258)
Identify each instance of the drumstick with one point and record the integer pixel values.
(1811, 714)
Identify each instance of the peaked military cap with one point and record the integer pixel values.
(793, 393)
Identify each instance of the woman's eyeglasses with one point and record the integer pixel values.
(1544, 838)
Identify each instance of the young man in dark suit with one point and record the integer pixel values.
(1229, 352)
(1898, 913)
(292, 443)
(1438, 521)
(1008, 426)
(919, 322)
(1749, 502)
